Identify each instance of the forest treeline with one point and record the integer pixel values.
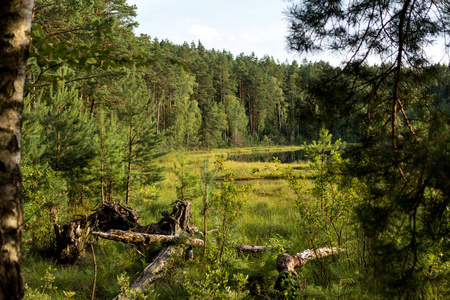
(102, 103)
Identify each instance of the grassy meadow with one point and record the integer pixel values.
(269, 216)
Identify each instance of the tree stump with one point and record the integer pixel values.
(173, 223)
(70, 241)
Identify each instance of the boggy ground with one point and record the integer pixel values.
(269, 217)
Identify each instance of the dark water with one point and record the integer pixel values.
(284, 157)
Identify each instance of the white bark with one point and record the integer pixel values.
(15, 26)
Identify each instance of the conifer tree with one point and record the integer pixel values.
(69, 136)
(403, 162)
(213, 124)
(141, 139)
(111, 164)
(187, 189)
(207, 182)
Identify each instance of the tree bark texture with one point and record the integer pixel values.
(15, 25)
(153, 271)
(70, 241)
(251, 248)
(287, 263)
(143, 239)
(119, 218)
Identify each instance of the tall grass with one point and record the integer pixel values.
(269, 217)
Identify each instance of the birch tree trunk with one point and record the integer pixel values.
(15, 26)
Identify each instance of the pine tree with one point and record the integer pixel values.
(139, 131)
(111, 164)
(69, 136)
(237, 120)
(403, 163)
(187, 190)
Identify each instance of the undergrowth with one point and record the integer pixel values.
(291, 207)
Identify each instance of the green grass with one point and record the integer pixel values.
(269, 217)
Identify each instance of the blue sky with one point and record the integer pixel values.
(243, 26)
(237, 26)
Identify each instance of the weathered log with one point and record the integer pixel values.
(287, 263)
(70, 242)
(153, 271)
(168, 229)
(112, 215)
(143, 239)
(291, 262)
(252, 248)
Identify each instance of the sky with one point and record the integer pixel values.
(237, 26)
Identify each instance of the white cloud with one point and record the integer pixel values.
(203, 33)
(250, 37)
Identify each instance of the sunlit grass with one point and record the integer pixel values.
(270, 213)
(270, 209)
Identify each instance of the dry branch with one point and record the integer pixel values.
(252, 248)
(138, 238)
(112, 215)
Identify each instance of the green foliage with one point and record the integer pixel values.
(44, 201)
(99, 139)
(47, 291)
(68, 136)
(149, 193)
(216, 283)
(187, 190)
(124, 283)
(228, 200)
(326, 215)
(140, 136)
(237, 120)
(207, 187)
(213, 124)
(112, 168)
(186, 118)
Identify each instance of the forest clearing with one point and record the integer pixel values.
(133, 167)
(269, 215)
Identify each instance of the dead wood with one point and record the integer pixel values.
(252, 248)
(70, 241)
(173, 223)
(153, 271)
(111, 215)
(143, 239)
(287, 263)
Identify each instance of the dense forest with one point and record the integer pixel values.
(87, 64)
(104, 110)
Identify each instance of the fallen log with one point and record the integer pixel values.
(287, 263)
(153, 271)
(143, 239)
(252, 248)
(111, 215)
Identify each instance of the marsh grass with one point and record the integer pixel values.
(269, 216)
